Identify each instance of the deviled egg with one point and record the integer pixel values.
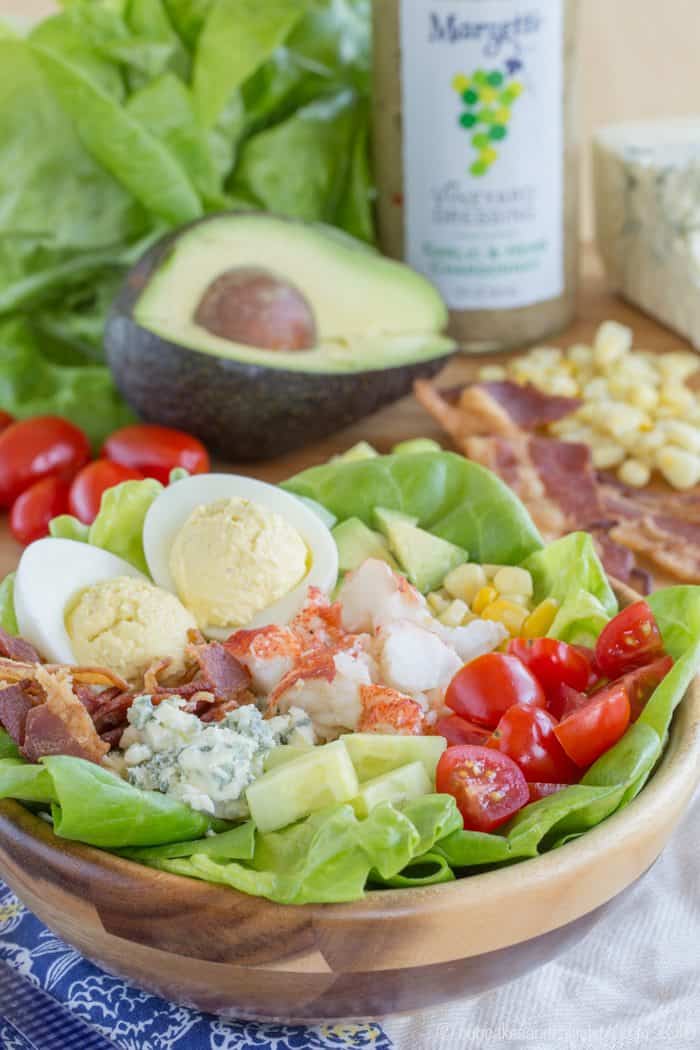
(79, 604)
(237, 552)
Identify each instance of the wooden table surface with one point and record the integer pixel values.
(406, 418)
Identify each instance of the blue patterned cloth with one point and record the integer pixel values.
(135, 1020)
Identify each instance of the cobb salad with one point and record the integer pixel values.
(374, 675)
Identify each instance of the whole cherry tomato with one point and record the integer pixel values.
(92, 481)
(488, 786)
(591, 730)
(631, 639)
(154, 450)
(552, 663)
(640, 684)
(36, 506)
(39, 448)
(5, 420)
(484, 689)
(456, 731)
(526, 734)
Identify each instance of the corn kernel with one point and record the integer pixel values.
(683, 434)
(680, 468)
(677, 396)
(680, 364)
(580, 355)
(491, 570)
(492, 373)
(465, 582)
(612, 341)
(596, 390)
(606, 454)
(456, 613)
(484, 598)
(562, 386)
(512, 616)
(437, 603)
(624, 419)
(546, 356)
(540, 620)
(519, 599)
(644, 396)
(511, 580)
(634, 473)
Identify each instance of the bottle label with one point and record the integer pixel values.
(483, 118)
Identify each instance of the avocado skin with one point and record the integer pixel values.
(240, 411)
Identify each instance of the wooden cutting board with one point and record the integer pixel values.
(406, 418)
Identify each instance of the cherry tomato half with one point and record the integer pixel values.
(5, 419)
(552, 663)
(566, 701)
(39, 448)
(92, 481)
(457, 731)
(484, 689)
(538, 791)
(36, 506)
(594, 728)
(155, 451)
(526, 734)
(488, 786)
(630, 640)
(640, 684)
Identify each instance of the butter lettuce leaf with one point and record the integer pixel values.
(118, 526)
(451, 497)
(570, 571)
(8, 619)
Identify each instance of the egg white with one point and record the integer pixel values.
(173, 506)
(50, 574)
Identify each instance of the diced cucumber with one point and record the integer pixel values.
(385, 518)
(321, 777)
(356, 543)
(282, 754)
(414, 446)
(373, 754)
(399, 785)
(426, 559)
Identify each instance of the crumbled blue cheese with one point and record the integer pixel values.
(647, 197)
(206, 765)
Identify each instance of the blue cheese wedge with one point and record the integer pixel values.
(208, 766)
(647, 198)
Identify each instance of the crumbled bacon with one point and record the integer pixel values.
(496, 425)
(220, 672)
(60, 725)
(17, 649)
(16, 701)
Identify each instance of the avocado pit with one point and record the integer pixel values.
(254, 307)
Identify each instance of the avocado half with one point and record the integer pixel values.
(259, 334)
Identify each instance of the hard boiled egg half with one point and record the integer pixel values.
(237, 552)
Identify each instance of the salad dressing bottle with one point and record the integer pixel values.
(476, 159)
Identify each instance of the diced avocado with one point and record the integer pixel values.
(282, 754)
(362, 450)
(416, 445)
(385, 518)
(399, 785)
(374, 754)
(426, 559)
(326, 517)
(356, 543)
(321, 777)
(260, 334)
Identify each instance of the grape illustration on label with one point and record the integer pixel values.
(488, 98)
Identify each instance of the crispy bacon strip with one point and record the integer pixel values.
(16, 701)
(17, 649)
(60, 725)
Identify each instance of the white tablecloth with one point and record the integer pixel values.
(634, 981)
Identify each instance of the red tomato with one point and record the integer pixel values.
(488, 786)
(456, 731)
(566, 701)
(39, 448)
(538, 791)
(640, 684)
(94, 479)
(526, 734)
(552, 663)
(33, 510)
(155, 451)
(630, 640)
(5, 419)
(484, 689)
(594, 728)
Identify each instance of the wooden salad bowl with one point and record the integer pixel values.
(221, 951)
